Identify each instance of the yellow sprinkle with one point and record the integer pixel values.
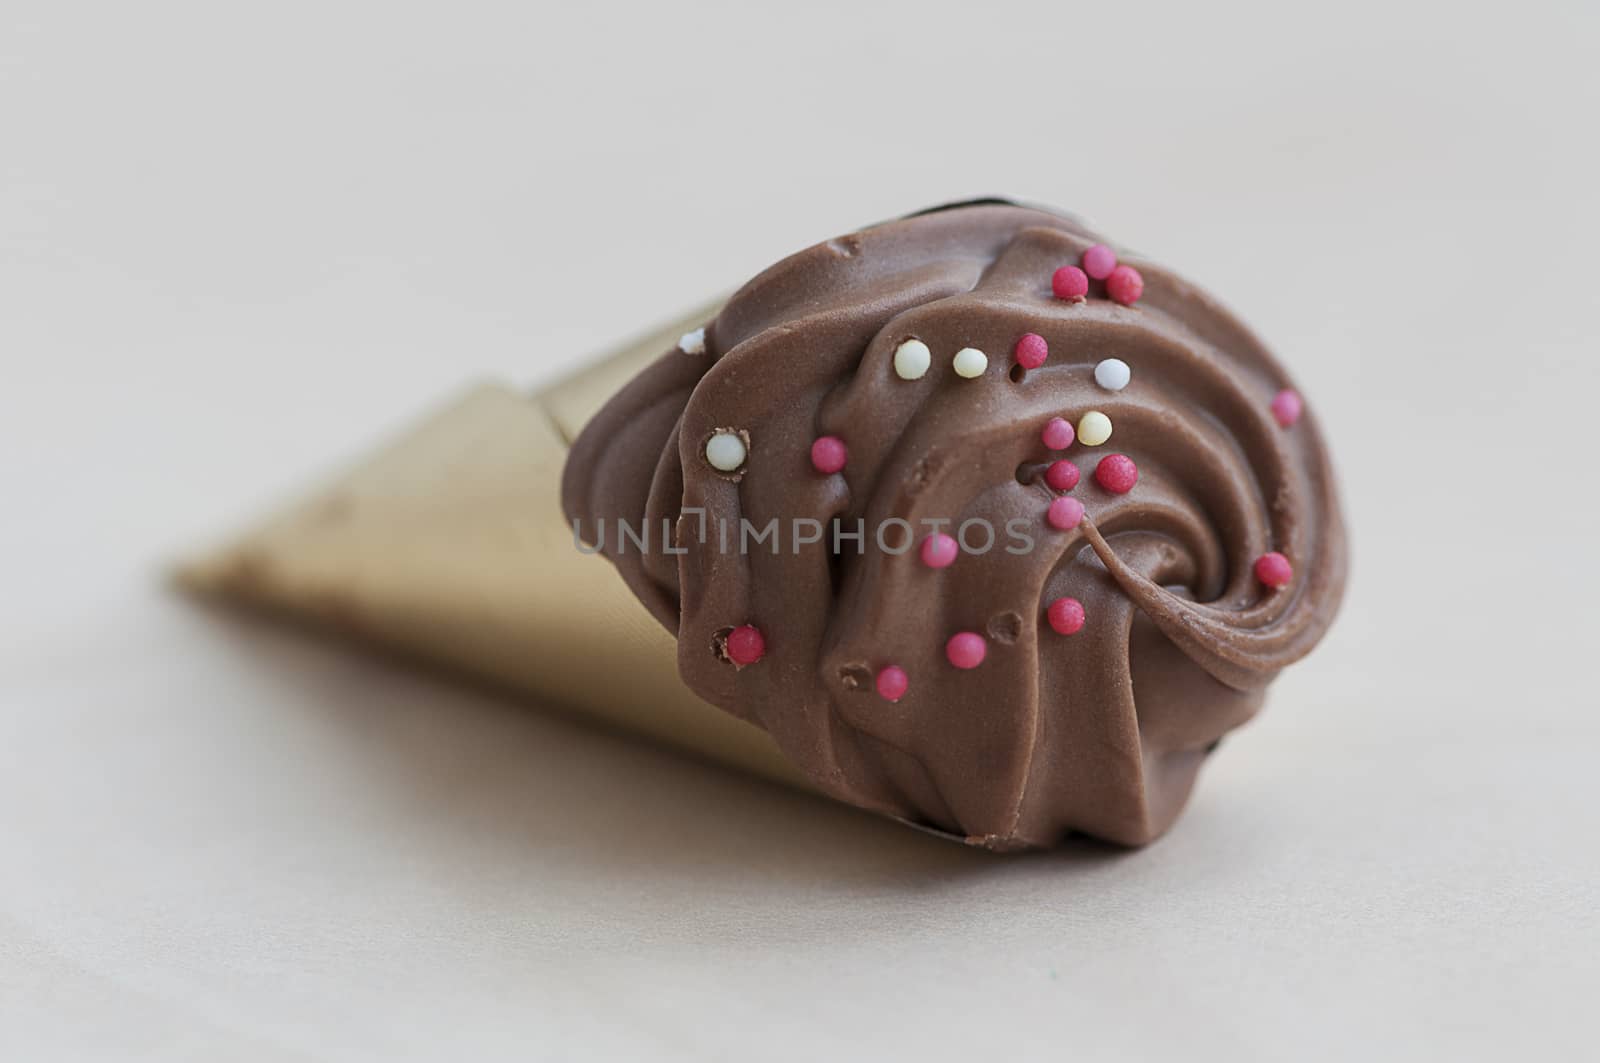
(1094, 428)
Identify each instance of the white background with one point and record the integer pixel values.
(239, 242)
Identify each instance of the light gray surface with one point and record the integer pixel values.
(237, 247)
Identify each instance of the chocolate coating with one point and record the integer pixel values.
(1102, 731)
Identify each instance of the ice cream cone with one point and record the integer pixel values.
(1134, 627)
(448, 544)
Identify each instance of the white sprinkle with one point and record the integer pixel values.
(911, 360)
(725, 451)
(693, 342)
(1113, 374)
(970, 362)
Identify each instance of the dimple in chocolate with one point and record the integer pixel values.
(1010, 699)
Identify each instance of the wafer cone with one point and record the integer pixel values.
(448, 545)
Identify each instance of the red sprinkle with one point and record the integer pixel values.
(966, 649)
(1099, 261)
(1031, 350)
(1062, 475)
(1058, 434)
(1064, 513)
(1274, 570)
(1066, 616)
(1069, 282)
(1125, 285)
(939, 550)
(892, 683)
(745, 645)
(828, 454)
(1116, 473)
(1286, 407)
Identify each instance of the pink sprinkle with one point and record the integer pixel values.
(1061, 475)
(1066, 616)
(1125, 285)
(745, 645)
(1286, 407)
(1069, 282)
(892, 683)
(1099, 261)
(1064, 513)
(828, 454)
(939, 551)
(1031, 350)
(966, 649)
(1116, 473)
(1058, 434)
(1274, 570)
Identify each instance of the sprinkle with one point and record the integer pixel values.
(1125, 285)
(892, 683)
(1099, 261)
(725, 451)
(970, 362)
(1031, 350)
(1070, 283)
(966, 649)
(828, 455)
(1057, 434)
(1274, 570)
(1116, 473)
(911, 360)
(693, 342)
(745, 646)
(1113, 374)
(1062, 475)
(939, 551)
(1094, 428)
(1064, 513)
(1066, 616)
(1286, 407)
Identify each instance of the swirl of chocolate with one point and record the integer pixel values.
(1101, 731)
